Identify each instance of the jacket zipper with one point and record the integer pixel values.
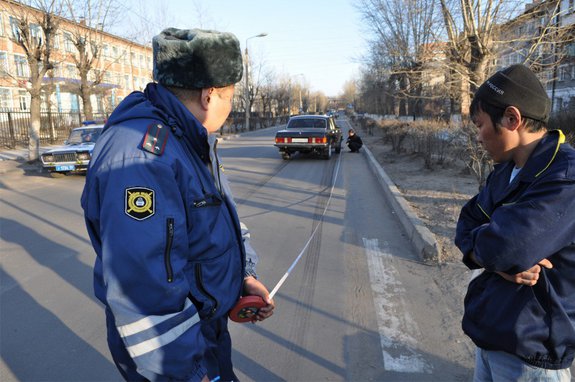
(168, 249)
(204, 291)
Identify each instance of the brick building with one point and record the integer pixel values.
(120, 67)
(544, 34)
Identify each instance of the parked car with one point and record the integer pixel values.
(75, 154)
(316, 134)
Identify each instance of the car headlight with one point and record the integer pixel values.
(47, 158)
(83, 156)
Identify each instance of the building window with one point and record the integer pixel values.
(71, 71)
(3, 64)
(21, 66)
(5, 99)
(36, 33)
(57, 41)
(564, 73)
(23, 100)
(74, 103)
(1, 24)
(68, 42)
(14, 28)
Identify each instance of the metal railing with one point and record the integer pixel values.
(54, 127)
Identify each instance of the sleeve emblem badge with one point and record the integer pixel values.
(140, 202)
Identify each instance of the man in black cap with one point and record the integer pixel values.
(172, 255)
(353, 141)
(520, 229)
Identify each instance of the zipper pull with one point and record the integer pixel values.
(200, 204)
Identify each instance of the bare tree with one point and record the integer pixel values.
(349, 94)
(402, 30)
(92, 18)
(34, 24)
(471, 27)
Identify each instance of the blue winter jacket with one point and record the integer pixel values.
(170, 250)
(510, 227)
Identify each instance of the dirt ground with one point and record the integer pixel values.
(436, 195)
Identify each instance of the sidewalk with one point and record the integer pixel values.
(15, 160)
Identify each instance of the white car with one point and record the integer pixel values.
(75, 154)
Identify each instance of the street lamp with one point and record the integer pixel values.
(300, 102)
(247, 90)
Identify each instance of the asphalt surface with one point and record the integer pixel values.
(360, 306)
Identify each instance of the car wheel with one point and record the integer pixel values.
(56, 174)
(338, 148)
(327, 152)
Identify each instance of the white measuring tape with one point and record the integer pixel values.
(248, 306)
(285, 276)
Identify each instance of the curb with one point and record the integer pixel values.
(419, 235)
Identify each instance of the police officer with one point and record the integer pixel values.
(172, 256)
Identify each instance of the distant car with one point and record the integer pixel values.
(309, 134)
(75, 154)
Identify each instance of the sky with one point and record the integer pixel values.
(318, 43)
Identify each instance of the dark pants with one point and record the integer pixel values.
(217, 359)
(354, 146)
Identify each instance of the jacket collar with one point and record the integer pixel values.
(542, 157)
(179, 118)
(539, 161)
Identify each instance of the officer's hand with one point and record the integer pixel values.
(254, 287)
(528, 277)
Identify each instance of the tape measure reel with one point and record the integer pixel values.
(246, 309)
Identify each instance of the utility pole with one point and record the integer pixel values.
(247, 85)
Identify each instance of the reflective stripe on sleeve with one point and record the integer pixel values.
(164, 339)
(148, 322)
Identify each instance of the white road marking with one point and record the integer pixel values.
(396, 326)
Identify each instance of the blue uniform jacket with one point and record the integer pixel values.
(510, 227)
(169, 245)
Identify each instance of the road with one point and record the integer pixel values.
(358, 306)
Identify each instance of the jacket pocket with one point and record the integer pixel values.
(215, 284)
(168, 249)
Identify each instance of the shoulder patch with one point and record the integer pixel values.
(139, 203)
(155, 139)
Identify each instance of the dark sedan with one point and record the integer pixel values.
(316, 134)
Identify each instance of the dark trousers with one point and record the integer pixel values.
(217, 359)
(354, 146)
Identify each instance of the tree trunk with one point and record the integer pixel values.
(34, 130)
(86, 103)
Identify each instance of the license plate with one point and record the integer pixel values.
(69, 167)
(299, 140)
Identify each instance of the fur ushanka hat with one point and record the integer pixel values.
(196, 59)
(517, 86)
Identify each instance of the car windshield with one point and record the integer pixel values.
(304, 123)
(84, 136)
